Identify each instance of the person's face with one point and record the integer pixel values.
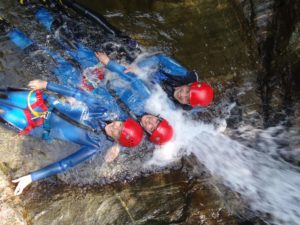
(182, 94)
(114, 129)
(149, 123)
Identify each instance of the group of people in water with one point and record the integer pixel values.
(99, 104)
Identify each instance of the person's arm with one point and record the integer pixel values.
(115, 67)
(112, 153)
(61, 166)
(136, 83)
(170, 67)
(60, 89)
(65, 164)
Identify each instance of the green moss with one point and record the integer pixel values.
(4, 168)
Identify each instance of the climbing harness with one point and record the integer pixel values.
(43, 118)
(29, 112)
(39, 102)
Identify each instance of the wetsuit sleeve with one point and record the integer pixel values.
(62, 90)
(136, 83)
(163, 63)
(119, 69)
(70, 92)
(65, 164)
(171, 67)
(167, 69)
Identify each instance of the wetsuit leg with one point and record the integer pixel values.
(12, 115)
(19, 38)
(18, 98)
(45, 18)
(84, 55)
(66, 73)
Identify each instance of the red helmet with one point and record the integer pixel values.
(201, 94)
(162, 134)
(131, 134)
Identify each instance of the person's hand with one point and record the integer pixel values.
(102, 57)
(37, 84)
(132, 69)
(23, 182)
(112, 153)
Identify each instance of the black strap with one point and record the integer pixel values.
(119, 101)
(72, 121)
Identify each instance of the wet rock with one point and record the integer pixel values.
(158, 199)
(10, 208)
(274, 26)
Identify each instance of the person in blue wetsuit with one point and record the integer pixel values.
(159, 129)
(181, 86)
(75, 120)
(134, 95)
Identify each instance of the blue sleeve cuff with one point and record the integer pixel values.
(115, 67)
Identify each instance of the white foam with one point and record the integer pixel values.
(269, 185)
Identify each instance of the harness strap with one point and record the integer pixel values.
(120, 102)
(44, 118)
(31, 121)
(85, 85)
(46, 126)
(73, 122)
(39, 101)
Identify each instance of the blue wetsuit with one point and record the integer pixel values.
(90, 113)
(167, 72)
(134, 93)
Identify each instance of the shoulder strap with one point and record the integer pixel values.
(119, 101)
(72, 121)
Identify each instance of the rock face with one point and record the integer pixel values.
(275, 29)
(168, 198)
(156, 199)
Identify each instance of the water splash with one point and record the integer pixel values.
(269, 184)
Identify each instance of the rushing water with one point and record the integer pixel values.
(268, 183)
(249, 160)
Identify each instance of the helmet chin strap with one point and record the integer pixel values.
(102, 125)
